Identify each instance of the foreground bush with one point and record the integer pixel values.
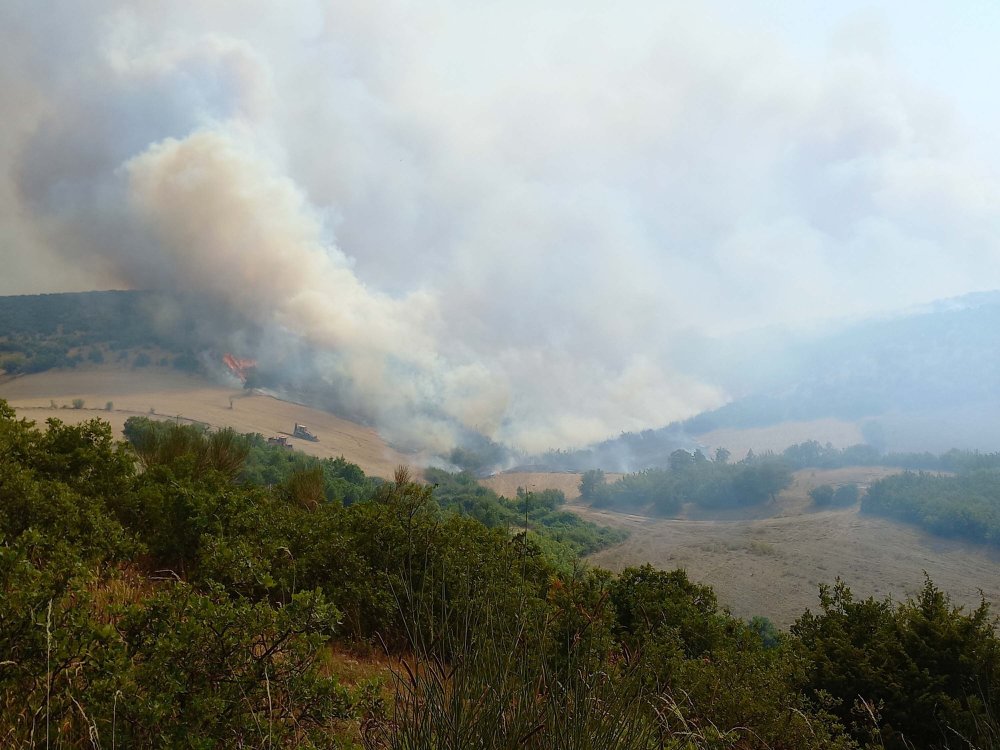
(174, 604)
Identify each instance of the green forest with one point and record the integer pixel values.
(690, 478)
(186, 589)
(48, 331)
(965, 505)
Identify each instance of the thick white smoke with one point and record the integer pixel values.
(507, 216)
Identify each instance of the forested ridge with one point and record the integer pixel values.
(184, 590)
(137, 328)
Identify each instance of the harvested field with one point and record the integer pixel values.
(773, 565)
(167, 394)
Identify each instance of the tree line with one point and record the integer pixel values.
(690, 478)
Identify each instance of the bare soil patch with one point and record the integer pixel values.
(167, 394)
(773, 566)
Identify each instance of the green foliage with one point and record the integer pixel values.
(532, 682)
(763, 627)
(107, 658)
(666, 607)
(268, 465)
(931, 671)
(966, 505)
(38, 332)
(160, 597)
(479, 455)
(590, 483)
(692, 478)
(574, 675)
(826, 495)
(187, 449)
(563, 533)
(846, 494)
(261, 464)
(822, 495)
(811, 454)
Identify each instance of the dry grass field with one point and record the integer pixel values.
(772, 565)
(507, 483)
(167, 394)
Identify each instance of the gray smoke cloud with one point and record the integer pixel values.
(512, 217)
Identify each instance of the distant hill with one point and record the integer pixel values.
(136, 328)
(927, 379)
(940, 357)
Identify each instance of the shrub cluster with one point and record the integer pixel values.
(966, 505)
(691, 478)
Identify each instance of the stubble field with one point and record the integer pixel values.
(167, 394)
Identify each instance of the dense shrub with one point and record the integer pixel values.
(691, 478)
(929, 671)
(547, 522)
(966, 505)
(157, 597)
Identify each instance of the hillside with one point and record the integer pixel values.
(921, 380)
(168, 394)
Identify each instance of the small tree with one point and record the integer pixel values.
(589, 482)
(78, 403)
(110, 406)
(822, 495)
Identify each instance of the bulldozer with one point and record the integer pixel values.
(302, 432)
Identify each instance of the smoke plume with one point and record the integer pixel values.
(510, 218)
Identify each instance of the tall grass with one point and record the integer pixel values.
(491, 682)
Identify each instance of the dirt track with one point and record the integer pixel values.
(173, 395)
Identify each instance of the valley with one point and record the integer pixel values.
(767, 560)
(770, 560)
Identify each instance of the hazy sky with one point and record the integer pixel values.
(512, 211)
